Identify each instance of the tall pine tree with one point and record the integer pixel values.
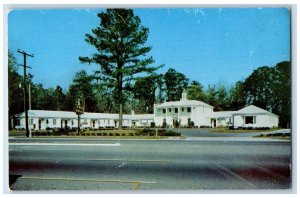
(121, 53)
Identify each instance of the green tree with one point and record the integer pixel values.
(144, 91)
(222, 98)
(212, 95)
(60, 98)
(41, 98)
(258, 87)
(121, 54)
(175, 83)
(270, 88)
(283, 92)
(195, 91)
(161, 88)
(15, 91)
(236, 99)
(82, 87)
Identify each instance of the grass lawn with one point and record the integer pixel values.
(281, 136)
(226, 130)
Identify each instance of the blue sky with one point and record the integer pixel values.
(209, 45)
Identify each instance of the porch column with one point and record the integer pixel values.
(166, 116)
(178, 114)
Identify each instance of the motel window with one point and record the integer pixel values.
(182, 109)
(250, 119)
(189, 109)
(54, 121)
(176, 110)
(164, 110)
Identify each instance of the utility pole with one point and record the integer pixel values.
(25, 89)
(29, 96)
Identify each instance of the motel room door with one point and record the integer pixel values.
(40, 124)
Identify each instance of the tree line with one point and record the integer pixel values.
(267, 87)
(127, 80)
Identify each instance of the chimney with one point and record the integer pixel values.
(132, 112)
(184, 95)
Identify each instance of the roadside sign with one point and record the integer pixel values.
(79, 107)
(79, 110)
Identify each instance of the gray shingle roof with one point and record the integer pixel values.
(251, 110)
(86, 115)
(183, 103)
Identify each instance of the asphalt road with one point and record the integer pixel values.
(113, 165)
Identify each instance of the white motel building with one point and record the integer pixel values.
(181, 113)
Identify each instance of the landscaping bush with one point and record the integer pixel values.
(171, 133)
(42, 133)
(160, 132)
(146, 132)
(164, 125)
(152, 125)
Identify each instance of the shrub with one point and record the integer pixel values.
(152, 125)
(164, 125)
(160, 132)
(176, 124)
(172, 133)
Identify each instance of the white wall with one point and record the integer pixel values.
(201, 116)
(263, 120)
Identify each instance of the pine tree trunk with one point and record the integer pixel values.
(121, 117)
(120, 90)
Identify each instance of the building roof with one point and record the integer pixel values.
(223, 114)
(253, 110)
(86, 115)
(182, 103)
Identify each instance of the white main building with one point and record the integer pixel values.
(181, 113)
